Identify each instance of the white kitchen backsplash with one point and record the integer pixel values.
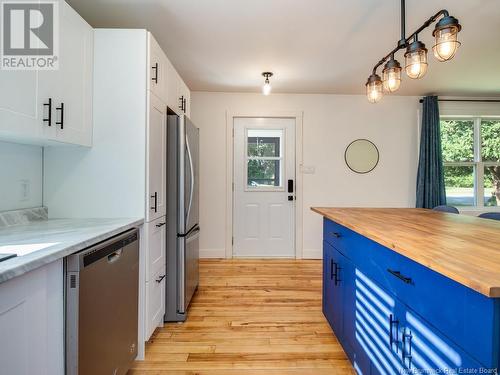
(21, 171)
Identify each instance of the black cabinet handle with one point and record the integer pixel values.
(155, 68)
(393, 322)
(181, 105)
(159, 225)
(405, 279)
(406, 354)
(155, 197)
(336, 275)
(184, 101)
(159, 280)
(61, 109)
(331, 269)
(48, 119)
(335, 234)
(290, 186)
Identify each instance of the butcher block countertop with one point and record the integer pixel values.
(463, 248)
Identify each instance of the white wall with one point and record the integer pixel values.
(20, 170)
(330, 123)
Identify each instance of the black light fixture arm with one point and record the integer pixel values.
(404, 41)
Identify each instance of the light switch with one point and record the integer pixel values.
(308, 169)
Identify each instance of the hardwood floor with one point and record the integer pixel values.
(250, 317)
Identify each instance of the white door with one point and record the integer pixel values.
(264, 187)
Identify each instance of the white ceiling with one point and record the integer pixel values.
(312, 46)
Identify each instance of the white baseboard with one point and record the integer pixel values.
(312, 254)
(212, 253)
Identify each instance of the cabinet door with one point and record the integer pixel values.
(155, 247)
(21, 107)
(32, 322)
(333, 307)
(424, 349)
(155, 302)
(184, 97)
(173, 81)
(372, 324)
(157, 69)
(156, 159)
(73, 103)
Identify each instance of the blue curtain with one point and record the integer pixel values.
(430, 176)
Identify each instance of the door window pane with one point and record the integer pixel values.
(457, 140)
(492, 185)
(264, 143)
(490, 135)
(459, 182)
(264, 173)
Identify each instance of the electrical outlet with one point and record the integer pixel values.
(24, 190)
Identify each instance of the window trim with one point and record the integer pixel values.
(478, 164)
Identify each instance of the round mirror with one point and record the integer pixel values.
(361, 156)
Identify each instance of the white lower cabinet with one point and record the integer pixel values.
(32, 322)
(155, 274)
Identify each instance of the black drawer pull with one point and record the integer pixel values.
(405, 279)
(155, 197)
(393, 322)
(61, 109)
(335, 234)
(49, 112)
(155, 78)
(159, 225)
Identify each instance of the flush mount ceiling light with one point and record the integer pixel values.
(445, 48)
(266, 89)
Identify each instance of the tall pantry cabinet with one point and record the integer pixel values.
(124, 173)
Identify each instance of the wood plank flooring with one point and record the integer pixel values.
(250, 317)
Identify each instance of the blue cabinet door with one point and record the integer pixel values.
(327, 285)
(426, 350)
(332, 292)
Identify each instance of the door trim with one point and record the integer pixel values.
(298, 116)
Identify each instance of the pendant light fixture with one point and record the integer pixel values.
(391, 75)
(266, 89)
(416, 60)
(445, 47)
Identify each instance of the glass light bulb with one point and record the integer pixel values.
(446, 43)
(416, 63)
(392, 79)
(266, 89)
(374, 91)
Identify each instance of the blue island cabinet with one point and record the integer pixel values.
(395, 316)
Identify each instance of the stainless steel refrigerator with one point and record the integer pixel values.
(183, 228)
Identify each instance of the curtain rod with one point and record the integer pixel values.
(467, 100)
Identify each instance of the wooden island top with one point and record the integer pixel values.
(463, 248)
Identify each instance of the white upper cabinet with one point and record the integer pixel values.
(50, 106)
(73, 110)
(157, 63)
(178, 94)
(156, 169)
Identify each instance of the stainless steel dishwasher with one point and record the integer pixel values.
(102, 286)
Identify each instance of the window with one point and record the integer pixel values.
(471, 158)
(264, 159)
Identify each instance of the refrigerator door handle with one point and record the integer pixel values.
(191, 188)
(181, 256)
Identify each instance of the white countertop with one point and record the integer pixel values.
(42, 242)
